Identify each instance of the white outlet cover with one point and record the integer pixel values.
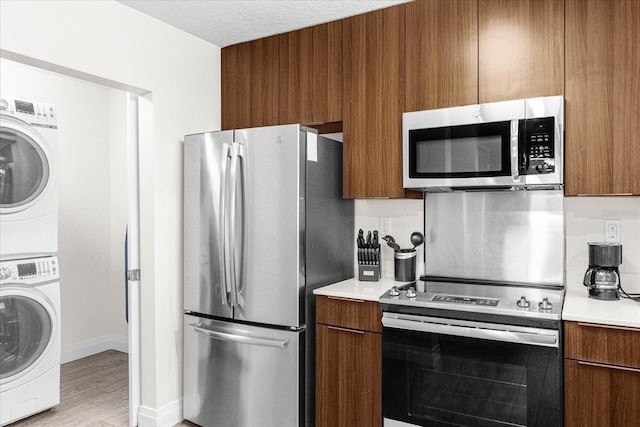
(612, 230)
(385, 225)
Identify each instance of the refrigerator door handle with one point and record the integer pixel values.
(231, 261)
(240, 339)
(222, 226)
(243, 199)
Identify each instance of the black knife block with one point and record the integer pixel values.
(369, 264)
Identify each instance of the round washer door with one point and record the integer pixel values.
(24, 165)
(26, 328)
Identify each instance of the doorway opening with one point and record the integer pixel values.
(98, 200)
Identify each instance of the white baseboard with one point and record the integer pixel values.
(94, 346)
(167, 416)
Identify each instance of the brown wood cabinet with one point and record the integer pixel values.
(602, 375)
(311, 75)
(373, 79)
(441, 54)
(451, 52)
(521, 49)
(348, 363)
(602, 97)
(249, 74)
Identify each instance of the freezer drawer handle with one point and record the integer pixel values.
(267, 342)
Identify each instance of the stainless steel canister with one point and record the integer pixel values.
(603, 254)
(405, 265)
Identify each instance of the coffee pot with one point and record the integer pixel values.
(602, 277)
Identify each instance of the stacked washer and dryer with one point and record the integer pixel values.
(29, 271)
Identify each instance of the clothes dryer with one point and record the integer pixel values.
(28, 193)
(30, 342)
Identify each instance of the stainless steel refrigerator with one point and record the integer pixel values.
(264, 224)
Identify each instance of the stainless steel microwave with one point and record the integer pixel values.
(509, 145)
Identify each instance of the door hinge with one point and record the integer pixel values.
(133, 275)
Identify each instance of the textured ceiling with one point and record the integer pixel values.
(227, 22)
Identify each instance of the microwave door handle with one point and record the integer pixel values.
(515, 169)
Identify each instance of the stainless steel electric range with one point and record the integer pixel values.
(472, 354)
(478, 340)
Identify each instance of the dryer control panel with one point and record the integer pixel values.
(29, 271)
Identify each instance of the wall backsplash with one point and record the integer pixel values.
(584, 222)
(406, 217)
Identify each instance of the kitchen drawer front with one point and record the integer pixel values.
(614, 345)
(349, 313)
(598, 395)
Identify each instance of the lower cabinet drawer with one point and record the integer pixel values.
(612, 345)
(600, 395)
(349, 313)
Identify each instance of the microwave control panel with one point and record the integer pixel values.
(537, 146)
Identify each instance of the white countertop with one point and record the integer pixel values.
(577, 304)
(355, 289)
(580, 308)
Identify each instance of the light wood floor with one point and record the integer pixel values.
(94, 392)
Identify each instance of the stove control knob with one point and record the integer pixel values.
(411, 293)
(394, 292)
(523, 302)
(545, 304)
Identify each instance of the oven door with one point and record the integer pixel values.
(443, 372)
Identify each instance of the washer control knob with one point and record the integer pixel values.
(523, 302)
(411, 293)
(545, 304)
(394, 292)
(5, 273)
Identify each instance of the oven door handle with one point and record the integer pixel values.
(539, 337)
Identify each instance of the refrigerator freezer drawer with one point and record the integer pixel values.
(238, 375)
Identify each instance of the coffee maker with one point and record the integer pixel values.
(602, 277)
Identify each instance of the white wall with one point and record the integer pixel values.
(108, 42)
(92, 201)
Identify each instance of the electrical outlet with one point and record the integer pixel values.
(612, 230)
(385, 225)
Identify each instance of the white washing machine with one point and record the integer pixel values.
(29, 337)
(28, 193)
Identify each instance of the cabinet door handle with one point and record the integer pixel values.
(353, 331)
(619, 328)
(602, 365)
(346, 299)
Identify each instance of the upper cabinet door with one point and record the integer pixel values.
(521, 49)
(250, 84)
(373, 103)
(602, 97)
(311, 75)
(442, 54)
